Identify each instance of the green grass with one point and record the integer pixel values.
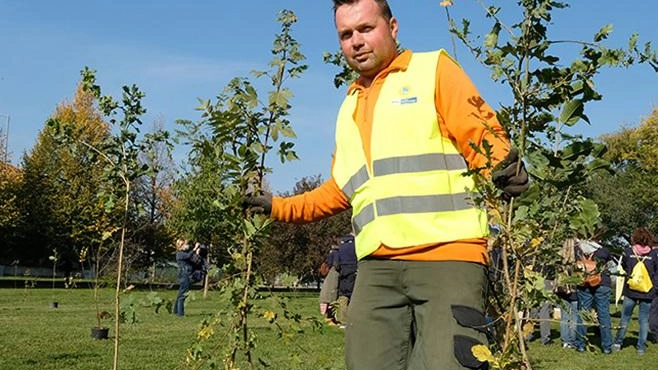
(34, 336)
(553, 357)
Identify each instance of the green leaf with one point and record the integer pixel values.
(260, 222)
(291, 156)
(249, 229)
(252, 96)
(603, 33)
(288, 132)
(109, 204)
(257, 147)
(578, 65)
(612, 57)
(572, 112)
(585, 220)
(598, 164)
(632, 41)
(274, 133)
(280, 98)
(492, 38)
(106, 235)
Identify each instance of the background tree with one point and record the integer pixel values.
(60, 200)
(195, 213)
(40, 230)
(298, 250)
(633, 155)
(152, 204)
(11, 179)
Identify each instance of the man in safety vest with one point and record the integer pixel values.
(404, 138)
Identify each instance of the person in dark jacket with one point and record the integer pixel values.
(346, 267)
(640, 250)
(184, 258)
(200, 263)
(653, 312)
(596, 296)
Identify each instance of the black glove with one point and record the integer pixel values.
(258, 203)
(505, 178)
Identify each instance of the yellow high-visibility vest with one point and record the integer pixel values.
(413, 192)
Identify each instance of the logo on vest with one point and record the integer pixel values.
(411, 100)
(405, 91)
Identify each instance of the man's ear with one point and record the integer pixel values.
(393, 25)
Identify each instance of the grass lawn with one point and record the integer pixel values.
(35, 336)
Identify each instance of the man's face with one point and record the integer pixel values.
(366, 38)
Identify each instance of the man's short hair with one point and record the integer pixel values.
(383, 5)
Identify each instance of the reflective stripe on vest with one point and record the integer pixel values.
(355, 181)
(414, 191)
(418, 163)
(411, 204)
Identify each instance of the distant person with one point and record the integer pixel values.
(568, 294)
(329, 290)
(653, 312)
(595, 295)
(640, 250)
(200, 263)
(347, 266)
(184, 257)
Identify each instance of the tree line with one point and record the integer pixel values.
(55, 202)
(51, 201)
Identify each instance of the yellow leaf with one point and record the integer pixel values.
(535, 242)
(205, 333)
(269, 316)
(482, 353)
(528, 328)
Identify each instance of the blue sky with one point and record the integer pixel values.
(178, 51)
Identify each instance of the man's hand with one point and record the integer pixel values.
(258, 203)
(505, 177)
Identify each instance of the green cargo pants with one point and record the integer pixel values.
(405, 315)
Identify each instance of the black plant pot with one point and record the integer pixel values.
(99, 333)
(54, 304)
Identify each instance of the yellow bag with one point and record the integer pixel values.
(640, 280)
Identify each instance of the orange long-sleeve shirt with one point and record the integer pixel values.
(463, 117)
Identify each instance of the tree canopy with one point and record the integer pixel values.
(298, 250)
(60, 203)
(627, 195)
